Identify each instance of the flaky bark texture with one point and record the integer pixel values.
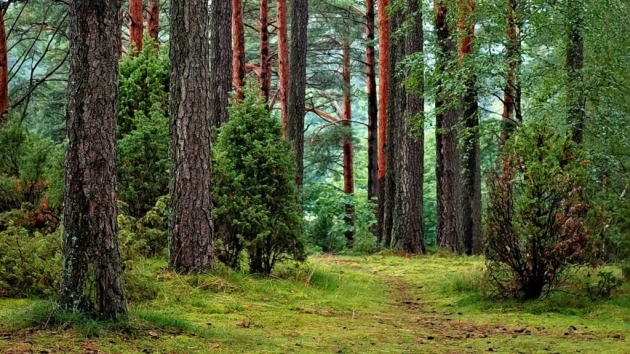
(448, 159)
(92, 276)
(512, 92)
(221, 61)
(4, 71)
(575, 63)
(265, 55)
(135, 26)
(372, 101)
(297, 85)
(383, 90)
(283, 62)
(238, 48)
(153, 19)
(470, 209)
(190, 238)
(412, 144)
(348, 149)
(392, 216)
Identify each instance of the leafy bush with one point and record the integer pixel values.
(143, 129)
(535, 221)
(146, 236)
(606, 284)
(256, 201)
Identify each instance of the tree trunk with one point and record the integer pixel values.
(383, 82)
(348, 149)
(297, 85)
(575, 64)
(190, 241)
(448, 160)
(372, 102)
(92, 276)
(136, 11)
(153, 19)
(4, 71)
(412, 144)
(238, 48)
(396, 103)
(283, 62)
(265, 66)
(471, 157)
(512, 91)
(221, 62)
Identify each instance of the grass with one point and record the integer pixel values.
(383, 303)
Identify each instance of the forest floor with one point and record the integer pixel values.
(382, 303)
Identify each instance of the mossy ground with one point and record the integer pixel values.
(382, 303)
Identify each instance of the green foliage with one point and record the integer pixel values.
(256, 201)
(30, 265)
(146, 236)
(30, 178)
(143, 128)
(325, 227)
(535, 221)
(606, 284)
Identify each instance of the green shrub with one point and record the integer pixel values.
(606, 284)
(256, 201)
(535, 221)
(146, 236)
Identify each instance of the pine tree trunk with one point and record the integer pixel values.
(283, 62)
(190, 240)
(265, 64)
(471, 155)
(575, 63)
(135, 26)
(412, 144)
(92, 276)
(153, 19)
(348, 149)
(446, 140)
(238, 50)
(383, 82)
(372, 102)
(4, 71)
(221, 61)
(512, 92)
(297, 85)
(396, 103)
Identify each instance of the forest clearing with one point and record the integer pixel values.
(383, 303)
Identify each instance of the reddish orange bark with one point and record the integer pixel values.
(383, 78)
(153, 19)
(283, 62)
(135, 27)
(238, 48)
(265, 72)
(465, 27)
(348, 149)
(4, 71)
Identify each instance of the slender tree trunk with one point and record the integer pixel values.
(153, 19)
(92, 276)
(575, 64)
(297, 85)
(471, 157)
(238, 48)
(135, 26)
(348, 149)
(383, 82)
(512, 91)
(396, 103)
(448, 159)
(412, 144)
(265, 66)
(221, 61)
(4, 71)
(191, 225)
(283, 62)
(372, 102)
